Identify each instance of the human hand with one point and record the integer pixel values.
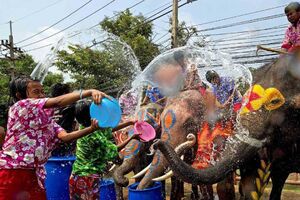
(94, 125)
(98, 96)
(132, 122)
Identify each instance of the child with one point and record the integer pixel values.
(31, 136)
(92, 154)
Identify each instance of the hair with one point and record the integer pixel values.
(59, 89)
(19, 85)
(82, 112)
(210, 75)
(292, 6)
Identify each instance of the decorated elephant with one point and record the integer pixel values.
(134, 156)
(272, 117)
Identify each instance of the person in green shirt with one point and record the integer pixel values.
(93, 152)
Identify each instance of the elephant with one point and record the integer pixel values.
(275, 121)
(134, 156)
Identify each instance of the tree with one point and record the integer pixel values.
(109, 68)
(23, 66)
(50, 80)
(184, 33)
(105, 69)
(136, 33)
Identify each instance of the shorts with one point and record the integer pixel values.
(84, 187)
(20, 184)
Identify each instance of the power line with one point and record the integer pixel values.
(164, 35)
(248, 46)
(249, 42)
(241, 15)
(37, 11)
(242, 37)
(145, 22)
(243, 22)
(168, 12)
(41, 47)
(251, 31)
(79, 32)
(66, 17)
(158, 8)
(70, 25)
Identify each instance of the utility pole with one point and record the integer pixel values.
(174, 24)
(11, 50)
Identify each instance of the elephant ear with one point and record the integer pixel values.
(273, 99)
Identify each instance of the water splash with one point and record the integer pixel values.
(42, 68)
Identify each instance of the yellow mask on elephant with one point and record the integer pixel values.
(257, 97)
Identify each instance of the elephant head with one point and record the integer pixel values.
(270, 116)
(181, 116)
(135, 151)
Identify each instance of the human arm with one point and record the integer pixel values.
(67, 137)
(124, 125)
(123, 144)
(70, 98)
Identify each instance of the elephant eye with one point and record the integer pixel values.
(190, 126)
(275, 101)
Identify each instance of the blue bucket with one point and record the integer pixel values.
(107, 190)
(57, 181)
(152, 193)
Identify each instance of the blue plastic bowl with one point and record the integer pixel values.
(152, 193)
(108, 113)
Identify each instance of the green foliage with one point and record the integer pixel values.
(51, 79)
(90, 68)
(184, 33)
(136, 33)
(23, 66)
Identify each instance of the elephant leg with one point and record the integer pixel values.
(195, 193)
(278, 180)
(177, 190)
(248, 175)
(206, 192)
(119, 192)
(226, 189)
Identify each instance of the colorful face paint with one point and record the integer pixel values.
(168, 123)
(132, 149)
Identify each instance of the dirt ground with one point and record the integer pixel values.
(290, 192)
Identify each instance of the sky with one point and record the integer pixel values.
(28, 21)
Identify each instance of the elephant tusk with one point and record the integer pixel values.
(169, 174)
(164, 177)
(191, 139)
(112, 167)
(141, 173)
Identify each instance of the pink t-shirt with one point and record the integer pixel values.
(30, 138)
(292, 37)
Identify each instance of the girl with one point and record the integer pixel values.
(93, 152)
(31, 136)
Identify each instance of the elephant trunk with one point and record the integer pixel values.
(233, 155)
(157, 167)
(119, 174)
(159, 163)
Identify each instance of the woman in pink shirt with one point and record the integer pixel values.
(31, 136)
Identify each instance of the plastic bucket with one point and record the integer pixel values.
(107, 190)
(152, 193)
(57, 180)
